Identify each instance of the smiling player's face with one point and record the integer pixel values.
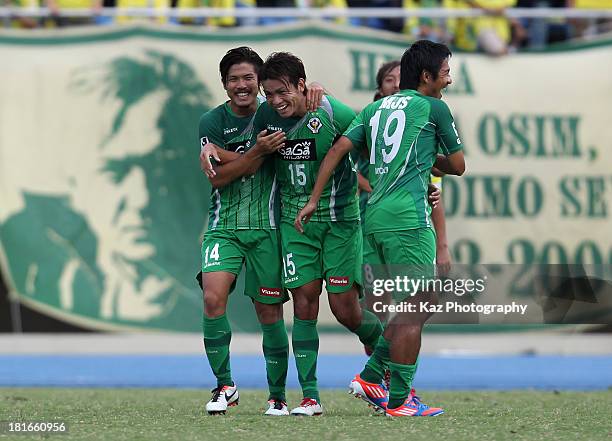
(242, 87)
(287, 99)
(444, 79)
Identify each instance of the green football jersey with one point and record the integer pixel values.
(249, 202)
(309, 138)
(402, 132)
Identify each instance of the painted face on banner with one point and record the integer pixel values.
(116, 200)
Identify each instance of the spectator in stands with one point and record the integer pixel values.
(590, 27)
(425, 27)
(336, 4)
(389, 24)
(490, 33)
(228, 21)
(275, 4)
(56, 6)
(18, 21)
(144, 4)
(542, 31)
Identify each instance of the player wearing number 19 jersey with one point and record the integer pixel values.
(402, 133)
(330, 248)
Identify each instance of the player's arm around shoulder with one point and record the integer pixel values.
(452, 160)
(263, 144)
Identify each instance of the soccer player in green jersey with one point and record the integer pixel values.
(330, 247)
(402, 133)
(242, 229)
(387, 83)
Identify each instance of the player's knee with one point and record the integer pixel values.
(214, 303)
(305, 309)
(412, 330)
(268, 314)
(348, 317)
(346, 309)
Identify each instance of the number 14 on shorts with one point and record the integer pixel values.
(211, 254)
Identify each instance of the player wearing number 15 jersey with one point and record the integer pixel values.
(330, 248)
(402, 133)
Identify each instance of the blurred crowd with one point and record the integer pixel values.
(492, 33)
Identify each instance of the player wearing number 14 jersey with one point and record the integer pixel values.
(402, 133)
(330, 247)
(241, 230)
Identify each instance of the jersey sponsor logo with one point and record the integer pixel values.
(395, 102)
(203, 141)
(314, 124)
(338, 281)
(272, 129)
(270, 292)
(381, 170)
(238, 147)
(230, 130)
(299, 150)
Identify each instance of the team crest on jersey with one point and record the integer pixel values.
(314, 125)
(299, 150)
(203, 141)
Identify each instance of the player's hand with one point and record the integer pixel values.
(270, 143)
(434, 194)
(314, 95)
(304, 216)
(363, 184)
(206, 152)
(443, 260)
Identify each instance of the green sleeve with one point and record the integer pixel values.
(356, 131)
(210, 128)
(449, 141)
(343, 114)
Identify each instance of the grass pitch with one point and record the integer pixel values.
(162, 414)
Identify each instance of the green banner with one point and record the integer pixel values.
(103, 205)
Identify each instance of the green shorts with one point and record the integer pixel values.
(258, 250)
(326, 250)
(409, 253)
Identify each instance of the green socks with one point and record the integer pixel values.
(401, 382)
(374, 370)
(305, 340)
(276, 352)
(369, 330)
(217, 337)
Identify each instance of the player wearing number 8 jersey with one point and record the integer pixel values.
(402, 133)
(330, 247)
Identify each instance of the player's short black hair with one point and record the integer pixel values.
(423, 55)
(238, 55)
(381, 74)
(283, 66)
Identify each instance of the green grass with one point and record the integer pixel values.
(162, 414)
